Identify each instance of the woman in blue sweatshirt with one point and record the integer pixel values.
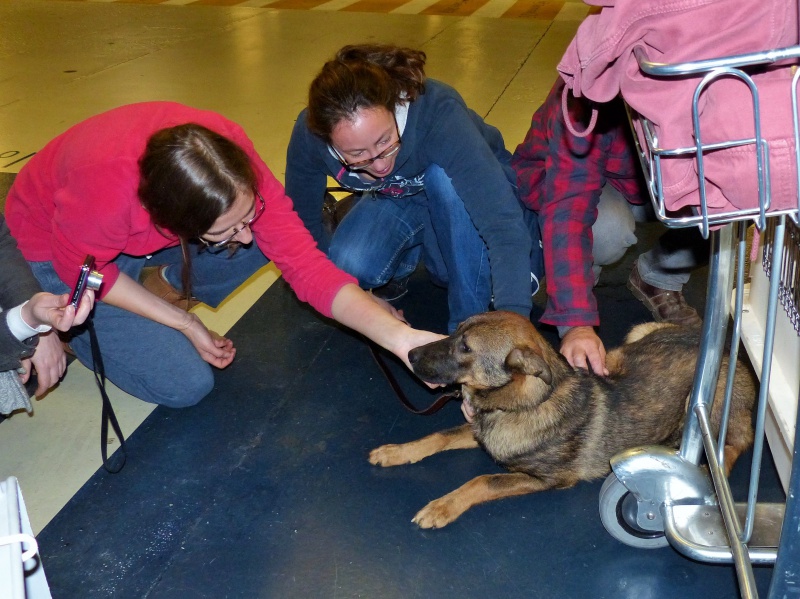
(433, 179)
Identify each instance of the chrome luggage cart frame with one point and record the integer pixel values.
(657, 496)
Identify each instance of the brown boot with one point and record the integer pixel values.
(156, 284)
(665, 305)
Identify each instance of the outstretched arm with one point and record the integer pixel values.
(376, 320)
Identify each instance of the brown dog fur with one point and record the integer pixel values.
(551, 425)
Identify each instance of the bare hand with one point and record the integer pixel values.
(416, 338)
(49, 361)
(56, 311)
(213, 348)
(398, 314)
(582, 348)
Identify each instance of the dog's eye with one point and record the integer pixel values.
(464, 347)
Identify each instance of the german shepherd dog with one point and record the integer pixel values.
(551, 425)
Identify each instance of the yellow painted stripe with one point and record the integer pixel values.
(138, 1)
(297, 4)
(545, 10)
(374, 6)
(205, 2)
(460, 8)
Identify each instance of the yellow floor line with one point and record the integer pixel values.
(545, 10)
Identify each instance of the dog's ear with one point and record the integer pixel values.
(525, 360)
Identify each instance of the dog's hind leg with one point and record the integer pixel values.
(460, 437)
(488, 487)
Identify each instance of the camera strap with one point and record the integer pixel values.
(108, 415)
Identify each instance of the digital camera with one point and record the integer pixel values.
(87, 278)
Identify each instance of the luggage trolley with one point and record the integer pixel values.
(656, 496)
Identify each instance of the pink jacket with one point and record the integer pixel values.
(600, 63)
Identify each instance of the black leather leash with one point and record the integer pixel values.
(108, 411)
(431, 409)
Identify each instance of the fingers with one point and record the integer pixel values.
(56, 311)
(69, 316)
(220, 341)
(598, 364)
(63, 319)
(578, 360)
(84, 307)
(26, 367)
(398, 314)
(583, 349)
(215, 349)
(49, 361)
(219, 360)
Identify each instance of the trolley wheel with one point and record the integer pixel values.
(618, 509)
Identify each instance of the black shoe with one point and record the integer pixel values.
(334, 211)
(393, 290)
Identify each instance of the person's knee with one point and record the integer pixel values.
(358, 264)
(614, 231)
(193, 384)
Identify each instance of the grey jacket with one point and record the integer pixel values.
(17, 284)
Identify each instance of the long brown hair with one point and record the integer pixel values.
(363, 76)
(189, 177)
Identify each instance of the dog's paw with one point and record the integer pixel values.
(388, 455)
(437, 514)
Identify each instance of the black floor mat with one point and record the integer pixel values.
(264, 490)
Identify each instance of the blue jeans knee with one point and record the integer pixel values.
(380, 239)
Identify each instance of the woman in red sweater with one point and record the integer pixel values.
(162, 184)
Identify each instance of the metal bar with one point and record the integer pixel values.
(701, 66)
(733, 354)
(762, 164)
(741, 556)
(786, 573)
(766, 369)
(796, 123)
(715, 324)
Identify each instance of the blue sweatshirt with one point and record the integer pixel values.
(440, 129)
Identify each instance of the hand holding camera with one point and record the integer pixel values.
(62, 312)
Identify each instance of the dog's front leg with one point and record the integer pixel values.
(408, 453)
(488, 487)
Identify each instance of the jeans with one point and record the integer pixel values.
(384, 238)
(667, 265)
(144, 358)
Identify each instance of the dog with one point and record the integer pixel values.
(551, 425)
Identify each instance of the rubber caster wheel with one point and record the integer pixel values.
(618, 509)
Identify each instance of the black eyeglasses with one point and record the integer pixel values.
(360, 165)
(262, 205)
